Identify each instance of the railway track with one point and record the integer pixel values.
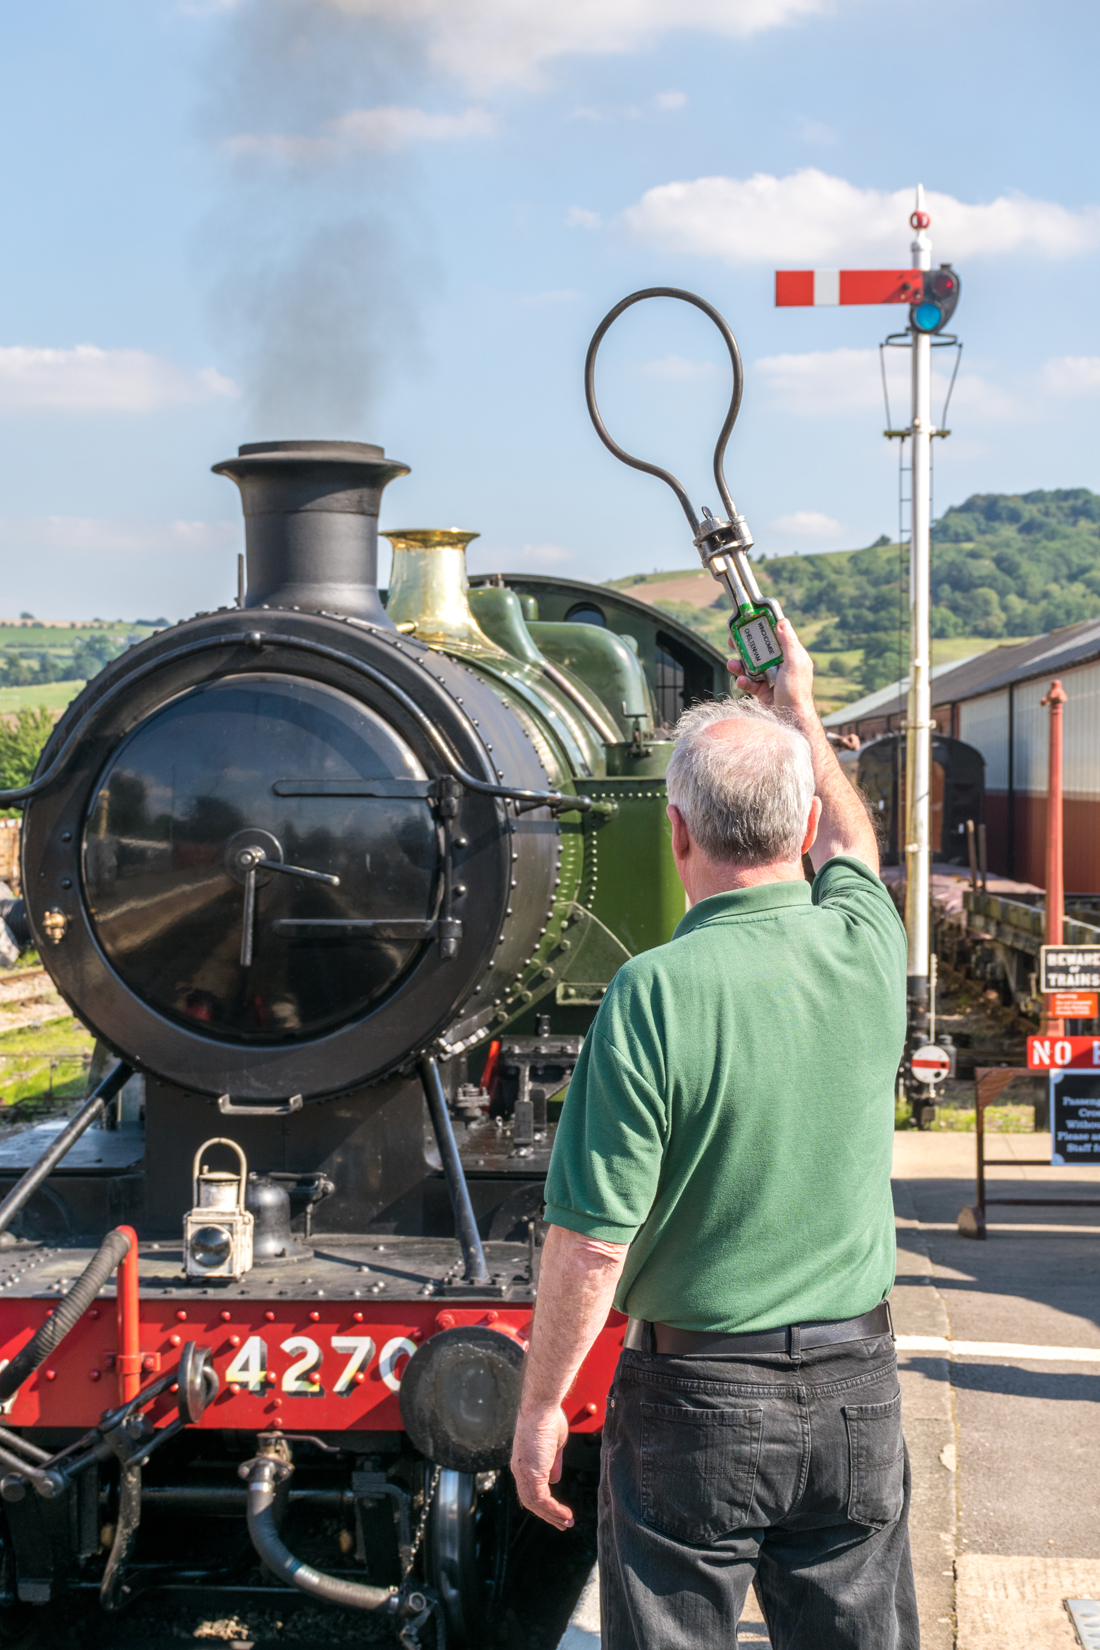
(28, 997)
(547, 1574)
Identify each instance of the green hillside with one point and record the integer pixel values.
(1004, 566)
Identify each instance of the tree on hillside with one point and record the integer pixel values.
(1003, 565)
(21, 744)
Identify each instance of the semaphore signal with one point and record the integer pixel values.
(931, 296)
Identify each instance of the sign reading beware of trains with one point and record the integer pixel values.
(1074, 1117)
(1069, 968)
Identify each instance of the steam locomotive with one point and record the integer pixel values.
(338, 886)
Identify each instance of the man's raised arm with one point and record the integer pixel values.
(845, 827)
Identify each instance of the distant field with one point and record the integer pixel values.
(54, 695)
(33, 638)
(694, 586)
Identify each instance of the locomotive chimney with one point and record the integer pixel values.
(311, 523)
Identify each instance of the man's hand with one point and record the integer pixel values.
(536, 1463)
(794, 678)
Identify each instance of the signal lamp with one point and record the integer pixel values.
(938, 300)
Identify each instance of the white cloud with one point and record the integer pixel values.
(813, 219)
(679, 369)
(389, 126)
(1072, 375)
(664, 103)
(578, 217)
(110, 535)
(815, 131)
(806, 524)
(823, 383)
(88, 379)
(491, 42)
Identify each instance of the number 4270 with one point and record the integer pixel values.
(302, 1378)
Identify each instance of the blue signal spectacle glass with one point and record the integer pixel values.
(927, 317)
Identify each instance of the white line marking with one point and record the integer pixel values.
(1008, 1350)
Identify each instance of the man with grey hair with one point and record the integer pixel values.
(722, 1173)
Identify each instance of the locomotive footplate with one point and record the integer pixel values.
(315, 1345)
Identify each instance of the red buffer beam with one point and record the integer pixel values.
(795, 287)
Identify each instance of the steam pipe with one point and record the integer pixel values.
(353, 1595)
(606, 730)
(473, 1255)
(95, 1105)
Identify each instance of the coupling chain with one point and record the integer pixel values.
(429, 1497)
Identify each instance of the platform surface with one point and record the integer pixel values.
(98, 1151)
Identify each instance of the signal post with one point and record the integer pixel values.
(931, 296)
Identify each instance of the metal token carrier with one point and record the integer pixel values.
(723, 546)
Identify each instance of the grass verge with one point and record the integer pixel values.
(42, 1067)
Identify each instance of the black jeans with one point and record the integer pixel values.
(787, 1472)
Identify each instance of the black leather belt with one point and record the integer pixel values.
(665, 1338)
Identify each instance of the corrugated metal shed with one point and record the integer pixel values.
(1012, 662)
(994, 702)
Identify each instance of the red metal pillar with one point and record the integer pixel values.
(128, 1356)
(1055, 880)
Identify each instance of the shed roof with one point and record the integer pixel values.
(1045, 655)
(883, 702)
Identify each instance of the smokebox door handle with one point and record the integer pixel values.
(228, 1109)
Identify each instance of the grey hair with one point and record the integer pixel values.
(746, 800)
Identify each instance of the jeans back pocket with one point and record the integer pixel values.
(876, 1460)
(698, 1469)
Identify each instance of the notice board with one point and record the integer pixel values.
(1074, 1117)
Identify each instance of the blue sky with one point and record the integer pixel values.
(400, 220)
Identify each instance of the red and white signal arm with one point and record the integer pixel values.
(930, 1063)
(796, 287)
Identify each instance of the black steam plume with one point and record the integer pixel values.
(313, 278)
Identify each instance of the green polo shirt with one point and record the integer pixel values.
(731, 1116)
